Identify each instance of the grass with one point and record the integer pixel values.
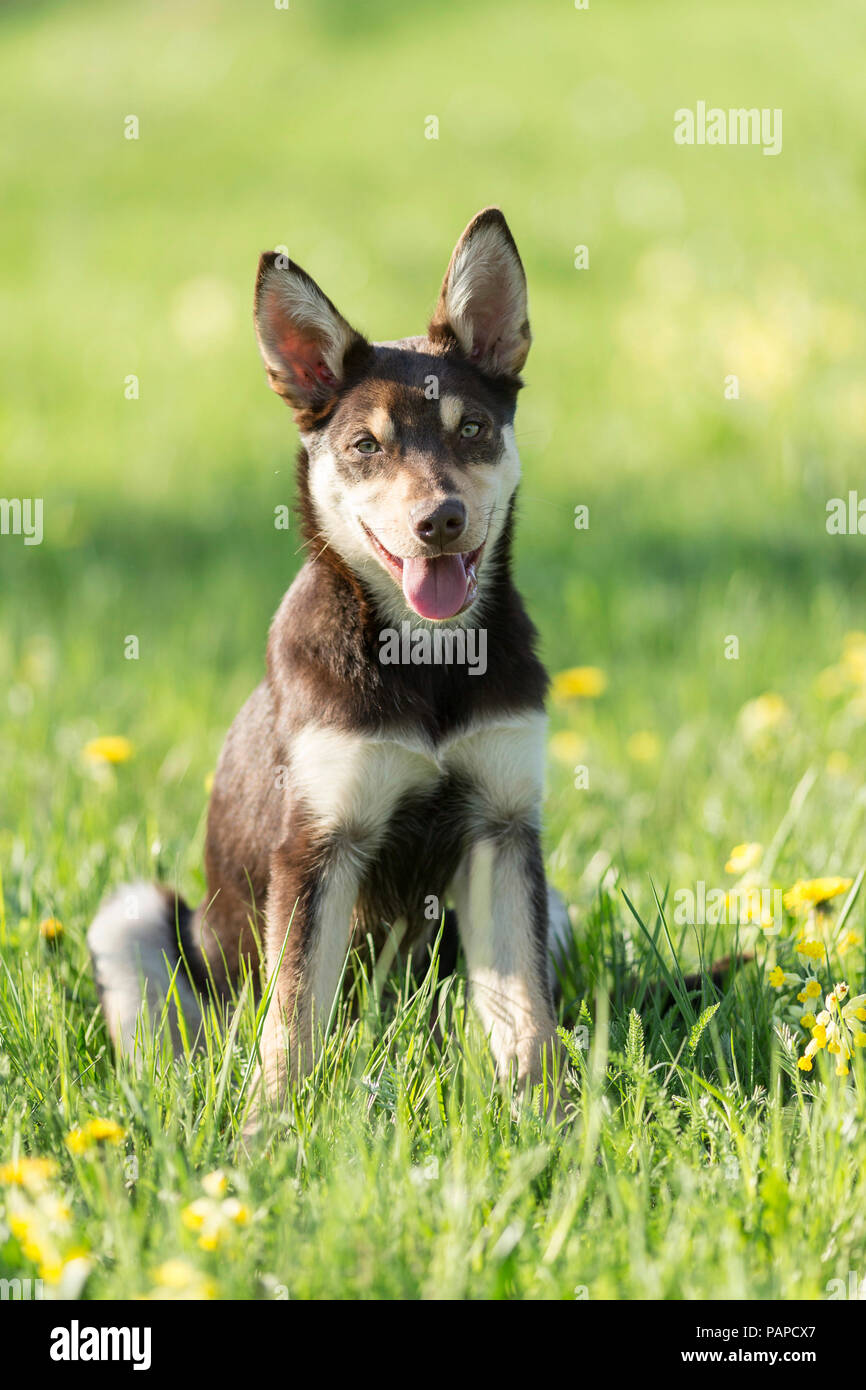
(688, 1166)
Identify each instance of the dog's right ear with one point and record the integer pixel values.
(303, 340)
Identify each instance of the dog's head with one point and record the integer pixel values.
(410, 448)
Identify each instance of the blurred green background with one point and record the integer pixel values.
(306, 128)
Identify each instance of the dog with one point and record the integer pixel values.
(354, 794)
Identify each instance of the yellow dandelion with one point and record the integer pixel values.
(813, 892)
(764, 715)
(579, 682)
(215, 1184)
(31, 1173)
(644, 746)
(567, 747)
(831, 683)
(95, 1131)
(743, 857)
(235, 1211)
(175, 1274)
(111, 748)
(838, 763)
(195, 1215)
(51, 928)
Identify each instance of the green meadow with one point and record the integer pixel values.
(695, 386)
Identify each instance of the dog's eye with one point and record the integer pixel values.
(367, 445)
(470, 429)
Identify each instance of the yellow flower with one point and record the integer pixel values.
(32, 1173)
(743, 857)
(819, 1033)
(831, 682)
(811, 892)
(51, 928)
(579, 682)
(838, 763)
(841, 1069)
(567, 747)
(195, 1215)
(781, 979)
(111, 748)
(236, 1211)
(807, 1021)
(764, 715)
(854, 657)
(215, 1184)
(813, 950)
(180, 1279)
(213, 1220)
(848, 942)
(644, 746)
(805, 1064)
(95, 1131)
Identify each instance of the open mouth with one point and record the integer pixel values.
(435, 586)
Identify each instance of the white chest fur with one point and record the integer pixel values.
(352, 783)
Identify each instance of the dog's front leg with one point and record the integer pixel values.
(500, 891)
(502, 910)
(345, 789)
(313, 889)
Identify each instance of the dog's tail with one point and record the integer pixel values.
(147, 963)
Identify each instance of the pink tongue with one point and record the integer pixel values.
(435, 588)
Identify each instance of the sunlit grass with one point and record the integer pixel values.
(694, 1157)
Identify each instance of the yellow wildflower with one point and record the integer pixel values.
(111, 748)
(811, 990)
(51, 928)
(781, 979)
(812, 892)
(813, 950)
(764, 715)
(838, 763)
(805, 1063)
(807, 1022)
(567, 747)
(215, 1184)
(743, 857)
(32, 1173)
(579, 682)
(644, 746)
(177, 1279)
(95, 1131)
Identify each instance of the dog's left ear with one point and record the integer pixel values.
(303, 339)
(482, 303)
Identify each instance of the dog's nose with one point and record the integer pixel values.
(439, 525)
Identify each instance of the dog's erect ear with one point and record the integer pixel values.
(303, 340)
(482, 304)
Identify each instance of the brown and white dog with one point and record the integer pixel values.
(352, 792)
